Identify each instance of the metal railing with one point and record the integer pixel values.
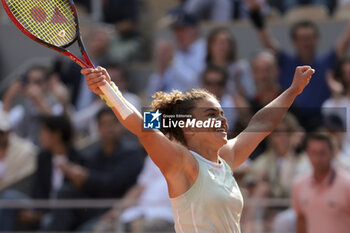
(256, 209)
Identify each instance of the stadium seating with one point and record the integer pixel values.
(342, 13)
(315, 13)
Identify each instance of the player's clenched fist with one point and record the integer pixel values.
(95, 78)
(301, 78)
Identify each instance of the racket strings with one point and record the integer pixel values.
(52, 21)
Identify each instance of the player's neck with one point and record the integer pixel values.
(209, 154)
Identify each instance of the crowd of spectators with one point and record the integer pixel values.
(59, 141)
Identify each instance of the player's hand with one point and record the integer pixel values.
(95, 78)
(301, 78)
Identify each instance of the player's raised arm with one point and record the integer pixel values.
(167, 155)
(266, 120)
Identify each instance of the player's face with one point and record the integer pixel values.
(320, 155)
(214, 137)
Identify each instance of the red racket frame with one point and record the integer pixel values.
(87, 63)
(107, 90)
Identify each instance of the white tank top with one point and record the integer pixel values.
(213, 204)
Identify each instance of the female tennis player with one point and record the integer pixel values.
(198, 164)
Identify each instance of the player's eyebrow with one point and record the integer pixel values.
(211, 109)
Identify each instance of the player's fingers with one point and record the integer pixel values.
(100, 80)
(92, 76)
(302, 69)
(104, 72)
(86, 71)
(309, 73)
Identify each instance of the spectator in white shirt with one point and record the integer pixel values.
(146, 206)
(188, 59)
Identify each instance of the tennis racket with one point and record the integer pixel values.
(54, 24)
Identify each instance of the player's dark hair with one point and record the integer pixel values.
(303, 24)
(177, 102)
(60, 124)
(217, 69)
(232, 53)
(319, 136)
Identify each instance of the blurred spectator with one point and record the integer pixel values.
(214, 79)
(188, 60)
(343, 3)
(218, 10)
(98, 42)
(265, 74)
(55, 136)
(337, 130)
(161, 79)
(321, 199)
(120, 77)
(222, 51)
(272, 173)
(38, 93)
(305, 36)
(110, 170)
(14, 152)
(126, 44)
(146, 206)
(117, 11)
(85, 3)
(339, 84)
(287, 4)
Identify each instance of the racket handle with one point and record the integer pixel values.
(116, 101)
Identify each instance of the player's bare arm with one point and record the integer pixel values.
(237, 150)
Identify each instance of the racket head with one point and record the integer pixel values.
(52, 23)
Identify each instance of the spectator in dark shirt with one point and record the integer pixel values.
(305, 37)
(55, 136)
(110, 170)
(287, 4)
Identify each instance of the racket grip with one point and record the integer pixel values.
(116, 101)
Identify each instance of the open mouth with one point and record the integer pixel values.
(221, 130)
